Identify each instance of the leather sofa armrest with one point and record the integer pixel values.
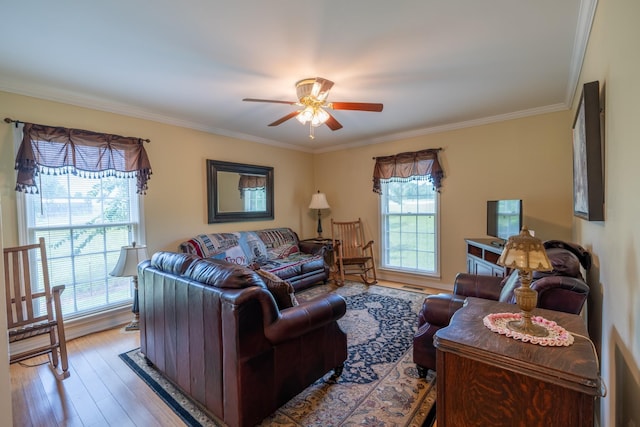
(438, 309)
(561, 293)
(479, 286)
(309, 315)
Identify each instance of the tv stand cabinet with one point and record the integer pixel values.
(482, 257)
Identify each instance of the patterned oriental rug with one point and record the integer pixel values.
(379, 386)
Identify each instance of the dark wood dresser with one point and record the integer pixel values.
(488, 379)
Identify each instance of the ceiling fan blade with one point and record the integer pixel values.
(333, 123)
(270, 100)
(285, 118)
(361, 106)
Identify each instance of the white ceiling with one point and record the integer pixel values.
(434, 64)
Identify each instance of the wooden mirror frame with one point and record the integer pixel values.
(214, 213)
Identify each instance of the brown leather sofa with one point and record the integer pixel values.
(215, 331)
(562, 289)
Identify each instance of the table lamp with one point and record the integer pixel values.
(526, 254)
(127, 266)
(319, 202)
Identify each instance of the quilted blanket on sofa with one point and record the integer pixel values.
(274, 249)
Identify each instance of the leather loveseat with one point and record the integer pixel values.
(276, 250)
(215, 331)
(562, 289)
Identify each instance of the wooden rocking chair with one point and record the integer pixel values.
(352, 253)
(30, 306)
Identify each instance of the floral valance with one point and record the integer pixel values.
(59, 150)
(408, 166)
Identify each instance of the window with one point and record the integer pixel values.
(85, 222)
(80, 196)
(409, 225)
(255, 199)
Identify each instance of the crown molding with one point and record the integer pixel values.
(66, 97)
(448, 127)
(56, 95)
(586, 16)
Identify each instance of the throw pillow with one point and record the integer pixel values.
(281, 290)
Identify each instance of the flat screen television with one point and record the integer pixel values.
(504, 219)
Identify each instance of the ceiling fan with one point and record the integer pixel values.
(312, 97)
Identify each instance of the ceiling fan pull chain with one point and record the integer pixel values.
(311, 131)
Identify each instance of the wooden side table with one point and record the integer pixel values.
(488, 379)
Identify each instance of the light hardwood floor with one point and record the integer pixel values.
(101, 391)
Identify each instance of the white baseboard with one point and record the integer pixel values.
(413, 279)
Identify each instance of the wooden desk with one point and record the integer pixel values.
(488, 379)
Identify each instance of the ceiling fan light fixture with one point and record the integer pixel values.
(305, 115)
(319, 118)
(315, 115)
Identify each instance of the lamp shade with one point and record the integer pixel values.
(130, 257)
(525, 252)
(319, 201)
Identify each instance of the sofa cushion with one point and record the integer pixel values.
(280, 243)
(207, 245)
(221, 274)
(295, 265)
(172, 262)
(253, 247)
(234, 255)
(281, 290)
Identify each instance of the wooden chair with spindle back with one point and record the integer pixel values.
(353, 254)
(33, 307)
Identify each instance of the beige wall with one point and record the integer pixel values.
(528, 158)
(612, 58)
(176, 203)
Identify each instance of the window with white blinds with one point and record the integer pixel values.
(85, 222)
(409, 226)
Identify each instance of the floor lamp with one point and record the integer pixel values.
(319, 202)
(127, 266)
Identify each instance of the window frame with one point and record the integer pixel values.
(26, 235)
(383, 241)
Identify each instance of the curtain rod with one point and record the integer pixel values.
(426, 149)
(17, 122)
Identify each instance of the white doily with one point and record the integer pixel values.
(558, 336)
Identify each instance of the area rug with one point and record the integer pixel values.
(378, 387)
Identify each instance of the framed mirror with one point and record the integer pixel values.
(239, 192)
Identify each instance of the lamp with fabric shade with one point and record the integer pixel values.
(127, 266)
(319, 202)
(526, 254)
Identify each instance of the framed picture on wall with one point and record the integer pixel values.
(588, 188)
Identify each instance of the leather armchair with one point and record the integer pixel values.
(562, 289)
